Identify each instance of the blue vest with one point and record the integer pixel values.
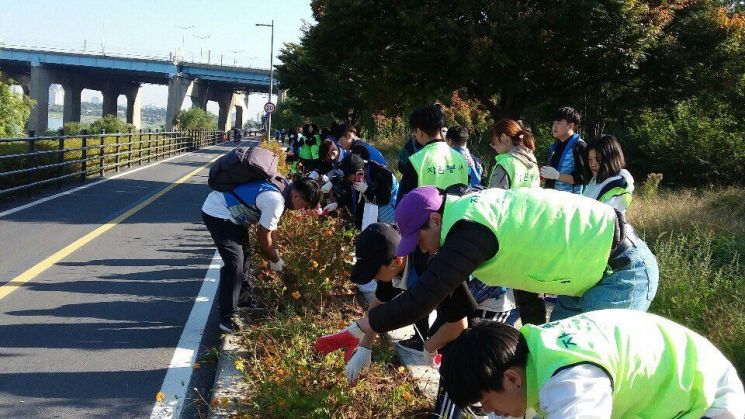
(475, 169)
(375, 154)
(247, 192)
(566, 165)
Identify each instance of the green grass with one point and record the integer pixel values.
(698, 237)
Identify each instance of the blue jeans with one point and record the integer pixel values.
(632, 286)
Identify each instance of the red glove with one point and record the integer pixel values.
(348, 339)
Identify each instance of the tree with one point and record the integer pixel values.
(603, 56)
(318, 84)
(15, 110)
(285, 116)
(195, 118)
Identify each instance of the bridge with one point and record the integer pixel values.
(36, 69)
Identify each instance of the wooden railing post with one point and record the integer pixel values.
(117, 153)
(129, 151)
(60, 160)
(101, 157)
(84, 157)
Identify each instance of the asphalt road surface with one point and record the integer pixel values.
(96, 287)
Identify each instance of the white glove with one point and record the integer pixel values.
(330, 207)
(324, 178)
(361, 186)
(326, 188)
(278, 265)
(359, 363)
(548, 172)
(429, 357)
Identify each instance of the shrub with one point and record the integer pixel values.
(74, 128)
(109, 124)
(318, 260)
(195, 118)
(276, 147)
(689, 145)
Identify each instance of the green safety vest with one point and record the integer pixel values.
(657, 368)
(436, 164)
(309, 152)
(547, 243)
(520, 175)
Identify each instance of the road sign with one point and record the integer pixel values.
(269, 107)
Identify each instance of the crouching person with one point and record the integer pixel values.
(228, 217)
(602, 364)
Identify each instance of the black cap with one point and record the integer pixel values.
(352, 164)
(376, 246)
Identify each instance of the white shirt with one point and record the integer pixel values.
(592, 189)
(585, 391)
(270, 203)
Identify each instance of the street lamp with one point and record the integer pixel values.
(235, 52)
(271, 78)
(183, 28)
(202, 38)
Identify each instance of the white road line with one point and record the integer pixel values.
(80, 188)
(176, 383)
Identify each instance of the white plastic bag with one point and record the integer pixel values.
(370, 215)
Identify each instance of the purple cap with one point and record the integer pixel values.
(412, 213)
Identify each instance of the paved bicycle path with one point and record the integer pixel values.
(93, 335)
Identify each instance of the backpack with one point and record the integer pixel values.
(244, 164)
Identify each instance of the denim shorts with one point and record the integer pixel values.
(632, 286)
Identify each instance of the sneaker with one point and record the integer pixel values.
(228, 326)
(412, 344)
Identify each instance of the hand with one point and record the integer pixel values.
(348, 339)
(360, 186)
(549, 172)
(432, 359)
(278, 265)
(330, 207)
(359, 363)
(326, 188)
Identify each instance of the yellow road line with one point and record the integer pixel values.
(42, 266)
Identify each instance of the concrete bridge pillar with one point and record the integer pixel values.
(71, 111)
(39, 91)
(225, 101)
(110, 96)
(199, 92)
(177, 88)
(239, 101)
(134, 106)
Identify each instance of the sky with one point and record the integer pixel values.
(151, 28)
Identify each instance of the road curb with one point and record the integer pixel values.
(228, 387)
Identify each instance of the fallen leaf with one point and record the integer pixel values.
(160, 396)
(224, 401)
(296, 294)
(196, 365)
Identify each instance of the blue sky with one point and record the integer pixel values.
(224, 27)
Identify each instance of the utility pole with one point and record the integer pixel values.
(271, 78)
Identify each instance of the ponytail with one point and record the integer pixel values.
(524, 138)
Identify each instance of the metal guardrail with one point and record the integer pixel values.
(29, 163)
